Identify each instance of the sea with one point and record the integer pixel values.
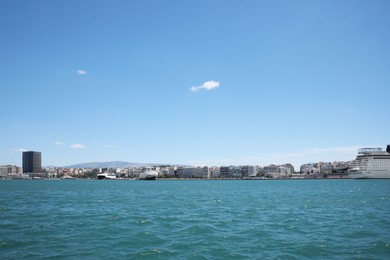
(195, 219)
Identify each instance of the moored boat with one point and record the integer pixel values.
(148, 175)
(106, 176)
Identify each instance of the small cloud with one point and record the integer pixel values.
(58, 143)
(77, 146)
(208, 85)
(81, 72)
(19, 150)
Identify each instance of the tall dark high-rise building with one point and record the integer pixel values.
(31, 162)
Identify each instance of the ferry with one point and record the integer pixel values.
(148, 175)
(371, 163)
(106, 176)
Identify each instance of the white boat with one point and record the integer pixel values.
(148, 175)
(106, 176)
(371, 163)
(67, 177)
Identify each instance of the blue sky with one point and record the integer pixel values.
(193, 82)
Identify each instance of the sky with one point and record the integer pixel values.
(193, 82)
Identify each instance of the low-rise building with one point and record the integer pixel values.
(230, 172)
(6, 170)
(214, 172)
(185, 172)
(3, 171)
(248, 171)
(269, 170)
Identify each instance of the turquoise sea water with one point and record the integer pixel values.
(178, 219)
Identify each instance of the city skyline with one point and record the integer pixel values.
(193, 83)
(315, 153)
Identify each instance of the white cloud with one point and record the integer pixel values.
(19, 150)
(81, 72)
(58, 143)
(77, 146)
(208, 85)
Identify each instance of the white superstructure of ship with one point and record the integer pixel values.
(371, 163)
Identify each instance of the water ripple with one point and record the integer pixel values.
(195, 219)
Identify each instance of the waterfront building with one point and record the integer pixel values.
(277, 171)
(214, 172)
(184, 172)
(3, 171)
(6, 170)
(281, 170)
(289, 168)
(187, 172)
(198, 172)
(32, 162)
(206, 172)
(248, 171)
(310, 168)
(51, 172)
(135, 172)
(170, 171)
(165, 171)
(341, 167)
(326, 167)
(224, 171)
(161, 171)
(230, 172)
(269, 170)
(284, 171)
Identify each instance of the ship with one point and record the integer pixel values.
(148, 175)
(371, 163)
(106, 176)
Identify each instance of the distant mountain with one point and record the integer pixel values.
(115, 164)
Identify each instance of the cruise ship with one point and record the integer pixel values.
(371, 163)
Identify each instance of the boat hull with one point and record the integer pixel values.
(148, 176)
(105, 176)
(370, 175)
